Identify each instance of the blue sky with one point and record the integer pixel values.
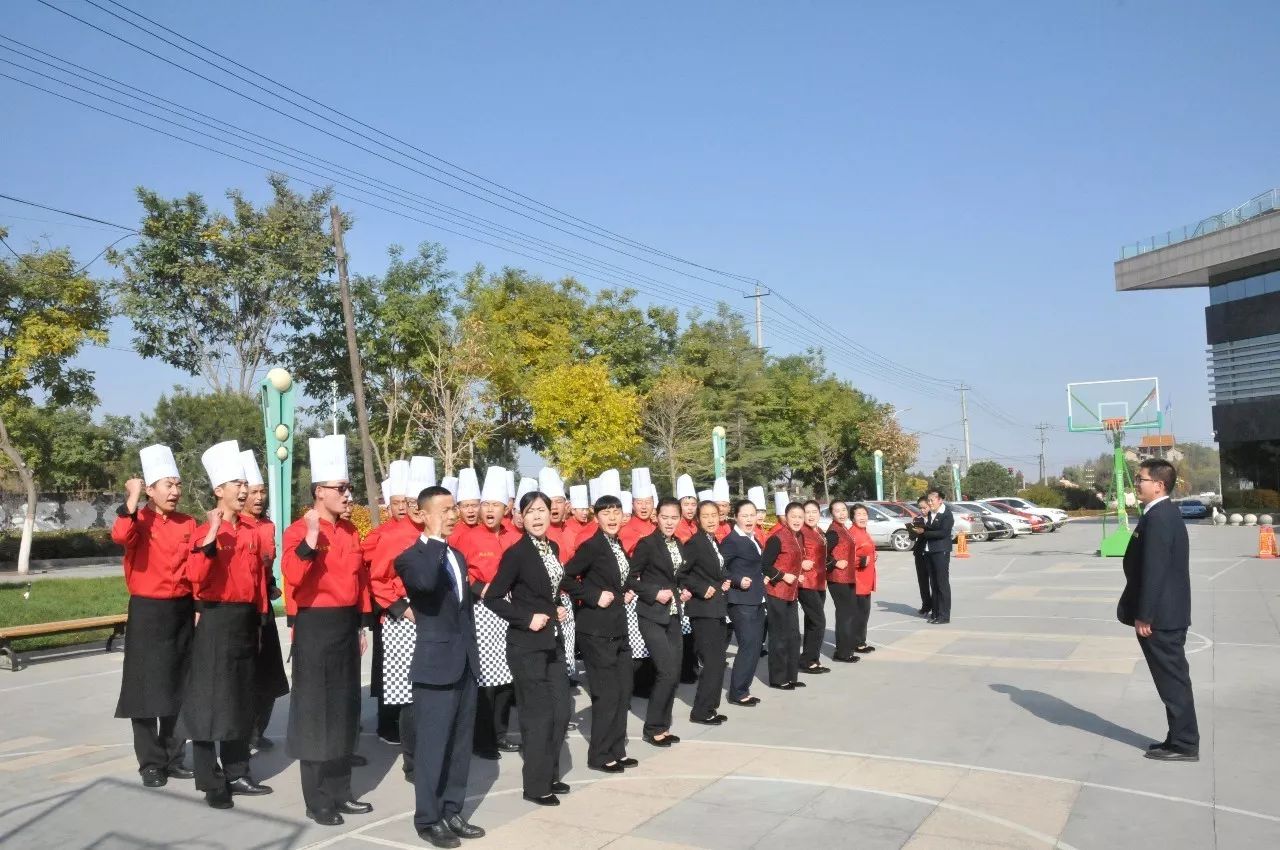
(945, 184)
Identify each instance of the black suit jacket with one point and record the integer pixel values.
(445, 622)
(702, 569)
(938, 533)
(522, 574)
(651, 572)
(1157, 571)
(742, 560)
(596, 568)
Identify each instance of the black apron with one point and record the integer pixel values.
(157, 651)
(269, 679)
(218, 705)
(325, 708)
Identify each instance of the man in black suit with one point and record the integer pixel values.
(445, 663)
(1157, 603)
(938, 525)
(916, 530)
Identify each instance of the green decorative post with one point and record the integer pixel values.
(278, 422)
(718, 449)
(879, 456)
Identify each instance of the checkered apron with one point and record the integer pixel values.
(398, 640)
(569, 631)
(491, 640)
(677, 560)
(638, 649)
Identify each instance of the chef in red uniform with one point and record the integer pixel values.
(468, 499)
(270, 680)
(326, 590)
(579, 517)
(688, 496)
(226, 573)
(157, 545)
(720, 495)
(641, 523)
(840, 580)
(482, 548)
(561, 530)
(864, 577)
(782, 558)
(813, 591)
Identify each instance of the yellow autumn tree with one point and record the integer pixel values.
(587, 423)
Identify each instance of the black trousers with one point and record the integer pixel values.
(923, 579)
(408, 737)
(608, 662)
(493, 716)
(689, 659)
(154, 743)
(940, 583)
(861, 614)
(842, 596)
(542, 691)
(205, 756)
(1166, 656)
(710, 643)
(748, 633)
(388, 719)
(325, 784)
(444, 716)
(784, 640)
(666, 649)
(263, 708)
(813, 603)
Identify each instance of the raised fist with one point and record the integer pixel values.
(312, 519)
(133, 489)
(663, 596)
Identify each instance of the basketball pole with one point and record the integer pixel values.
(1114, 544)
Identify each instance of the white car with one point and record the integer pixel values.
(1019, 525)
(1057, 516)
(889, 532)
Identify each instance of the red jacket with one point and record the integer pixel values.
(863, 546)
(396, 537)
(157, 548)
(330, 576)
(723, 530)
(230, 568)
(685, 529)
(483, 550)
(565, 537)
(815, 549)
(632, 531)
(786, 560)
(842, 551)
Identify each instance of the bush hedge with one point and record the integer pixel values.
(1241, 500)
(91, 543)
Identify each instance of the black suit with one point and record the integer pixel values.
(937, 539)
(1157, 590)
(653, 571)
(701, 571)
(602, 635)
(922, 567)
(445, 663)
(746, 609)
(536, 659)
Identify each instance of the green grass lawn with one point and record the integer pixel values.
(51, 600)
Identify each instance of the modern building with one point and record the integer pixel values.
(1236, 255)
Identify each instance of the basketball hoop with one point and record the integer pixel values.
(1113, 423)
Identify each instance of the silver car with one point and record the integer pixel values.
(888, 532)
(1019, 525)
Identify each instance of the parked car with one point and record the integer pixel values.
(1193, 509)
(998, 525)
(906, 510)
(1039, 524)
(888, 532)
(965, 521)
(1055, 515)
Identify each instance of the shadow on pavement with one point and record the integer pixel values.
(1062, 713)
(897, 608)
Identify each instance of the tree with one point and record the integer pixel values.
(67, 451)
(635, 344)
(586, 423)
(986, 479)
(674, 423)
(458, 406)
(49, 309)
(1043, 495)
(208, 293)
(879, 429)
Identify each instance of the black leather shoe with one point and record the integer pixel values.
(220, 799)
(815, 669)
(560, 788)
(1159, 745)
(549, 800)
(507, 745)
(865, 648)
(461, 828)
(924, 612)
(326, 818)
(264, 743)
(675, 739)
(179, 772)
(658, 742)
(439, 835)
(846, 659)
(248, 788)
(613, 767)
(153, 777)
(941, 621)
(933, 619)
(784, 687)
(357, 760)
(628, 762)
(713, 720)
(799, 685)
(746, 702)
(355, 807)
(487, 755)
(1173, 754)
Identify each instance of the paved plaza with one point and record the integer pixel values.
(1020, 724)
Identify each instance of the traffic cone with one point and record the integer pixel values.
(962, 546)
(1267, 542)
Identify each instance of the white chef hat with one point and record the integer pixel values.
(756, 495)
(399, 480)
(706, 496)
(720, 490)
(511, 485)
(549, 482)
(450, 483)
(222, 463)
(641, 483)
(578, 497)
(625, 495)
(422, 472)
(685, 488)
(780, 501)
(386, 492)
(596, 489)
(329, 458)
(157, 463)
(611, 483)
(495, 485)
(252, 474)
(653, 494)
(468, 486)
(527, 485)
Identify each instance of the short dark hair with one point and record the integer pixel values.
(1162, 471)
(668, 502)
(429, 493)
(739, 505)
(924, 498)
(529, 498)
(791, 505)
(704, 503)
(854, 508)
(831, 505)
(606, 502)
(813, 502)
(936, 492)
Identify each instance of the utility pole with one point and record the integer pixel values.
(760, 293)
(357, 372)
(1042, 427)
(964, 417)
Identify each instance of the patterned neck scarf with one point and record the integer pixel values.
(673, 548)
(715, 547)
(555, 572)
(624, 567)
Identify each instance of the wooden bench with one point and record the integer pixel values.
(8, 634)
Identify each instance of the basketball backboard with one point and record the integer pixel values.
(1133, 404)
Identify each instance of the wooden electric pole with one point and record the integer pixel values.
(357, 373)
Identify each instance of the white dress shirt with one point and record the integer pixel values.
(454, 569)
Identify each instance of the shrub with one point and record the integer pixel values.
(1043, 495)
(1081, 499)
(92, 543)
(1242, 500)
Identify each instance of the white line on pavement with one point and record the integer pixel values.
(1228, 569)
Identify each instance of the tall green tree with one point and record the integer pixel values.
(49, 309)
(987, 478)
(69, 452)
